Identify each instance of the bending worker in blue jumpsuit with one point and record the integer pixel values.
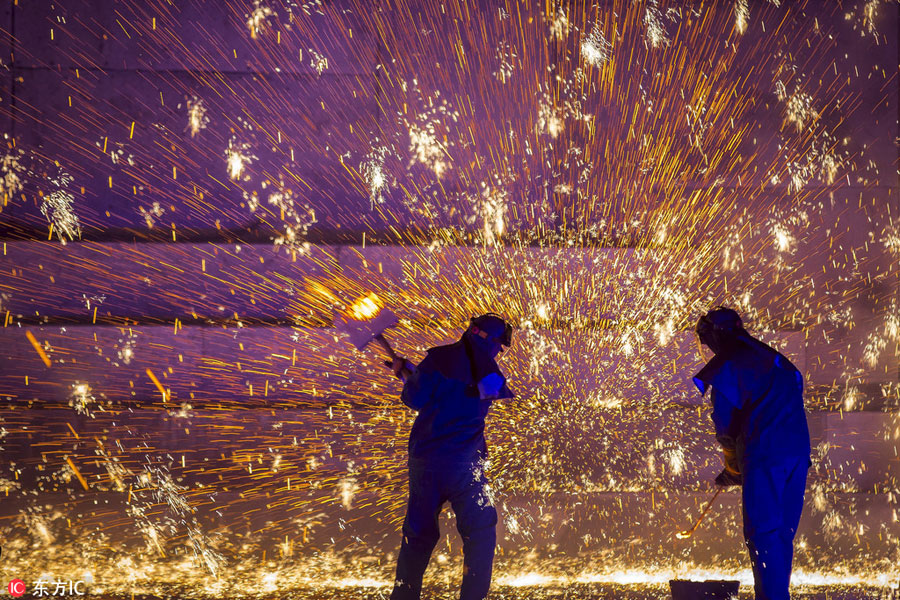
(452, 389)
(757, 398)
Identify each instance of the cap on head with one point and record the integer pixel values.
(718, 325)
(494, 326)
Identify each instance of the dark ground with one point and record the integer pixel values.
(573, 592)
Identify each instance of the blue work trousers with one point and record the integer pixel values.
(430, 486)
(773, 502)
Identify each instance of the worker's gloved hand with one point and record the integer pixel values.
(732, 465)
(727, 479)
(490, 386)
(401, 367)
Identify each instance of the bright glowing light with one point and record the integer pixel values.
(595, 48)
(656, 34)
(237, 157)
(784, 240)
(365, 308)
(741, 14)
(57, 207)
(494, 203)
(373, 172)
(426, 149)
(258, 19)
(197, 117)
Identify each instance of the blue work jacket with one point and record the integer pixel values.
(449, 428)
(757, 399)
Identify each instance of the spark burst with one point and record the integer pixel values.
(426, 148)
(11, 171)
(595, 48)
(372, 170)
(150, 216)
(237, 158)
(198, 119)
(654, 26)
(258, 19)
(559, 25)
(741, 15)
(317, 61)
(57, 208)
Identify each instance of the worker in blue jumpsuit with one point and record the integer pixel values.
(452, 389)
(760, 421)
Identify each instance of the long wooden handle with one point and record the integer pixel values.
(708, 506)
(404, 372)
(686, 534)
(387, 347)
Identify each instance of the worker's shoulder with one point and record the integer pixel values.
(713, 369)
(764, 357)
(447, 351)
(449, 360)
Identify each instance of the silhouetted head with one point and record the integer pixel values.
(489, 333)
(720, 329)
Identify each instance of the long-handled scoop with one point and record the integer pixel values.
(686, 534)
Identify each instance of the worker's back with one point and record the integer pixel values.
(776, 426)
(766, 390)
(450, 425)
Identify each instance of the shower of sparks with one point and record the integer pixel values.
(550, 120)
(870, 14)
(559, 25)
(348, 489)
(82, 399)
(11, 170)
(154, 212)
(741, 15)
(237, 158)
(297, 218)
(798, 106)
(885, 337)
(799, 110)
(494, 203)
(426, 149)
(373, 172)
(317, 61)
(655, 26)
(507, 59)
(96, 300)
(595, 48)
(365, 308)
(257, 21)
(57, 207)
(198, 119)
(125, 349)
(599, 172)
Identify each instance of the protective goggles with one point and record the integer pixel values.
(478, 322)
